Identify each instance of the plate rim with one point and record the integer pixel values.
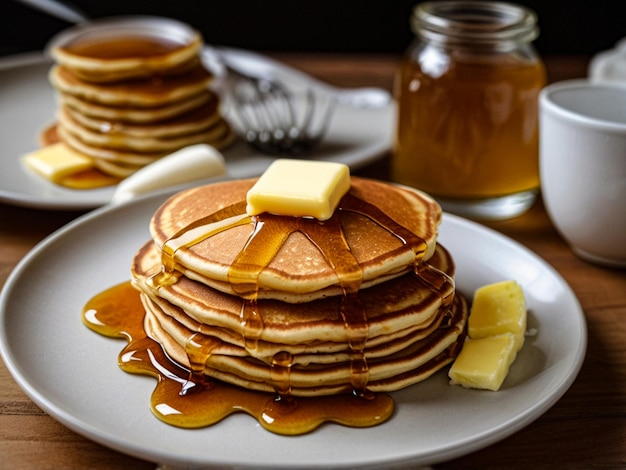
(92, 432)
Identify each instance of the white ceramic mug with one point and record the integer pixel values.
(582, 132)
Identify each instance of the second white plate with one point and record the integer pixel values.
(355, 137)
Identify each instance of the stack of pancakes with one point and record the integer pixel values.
(362, 301)
(128, 100)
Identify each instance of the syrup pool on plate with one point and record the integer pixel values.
(184, 399)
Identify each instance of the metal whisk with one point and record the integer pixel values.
(273, 119)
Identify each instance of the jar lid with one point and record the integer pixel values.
(475, 22)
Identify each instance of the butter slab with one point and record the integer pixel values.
(484, 363)
(57, 161)
(496, 309)
(299, 188)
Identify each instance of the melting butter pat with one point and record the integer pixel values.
(299, 188)
(57, 161)
(484, 363)
(496, 309)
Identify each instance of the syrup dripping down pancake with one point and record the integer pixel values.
(413, 332)
(403, 305)
(299, 271)
(408, 366)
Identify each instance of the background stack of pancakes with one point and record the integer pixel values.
(363, 301)
(130, 96)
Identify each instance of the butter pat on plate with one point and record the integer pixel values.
(484, 363)
(57, 161)
(496, 309)
(496, 328)
(299, 188)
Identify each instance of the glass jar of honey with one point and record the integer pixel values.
(467, 93)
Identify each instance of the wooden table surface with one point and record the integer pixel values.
(585, 428)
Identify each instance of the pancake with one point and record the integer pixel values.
(153, 92)
(408, 366)
(196, 120)
(221, 137)
(178, 324)
(112, 162)
(399, 305)
(126, 114)
(298, 270)
(112, 155)
(412, 331)
(111, 50)
(183, 63)
(119, 170)
(208, 129)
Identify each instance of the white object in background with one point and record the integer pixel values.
(609, 65)
(583, 166)
(189, 164)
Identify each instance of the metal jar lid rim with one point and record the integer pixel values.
(479, 22)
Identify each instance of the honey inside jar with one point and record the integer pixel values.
(467, 95)
(471, 131)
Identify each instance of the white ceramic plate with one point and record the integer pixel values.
(72, 373)
(356, 136)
